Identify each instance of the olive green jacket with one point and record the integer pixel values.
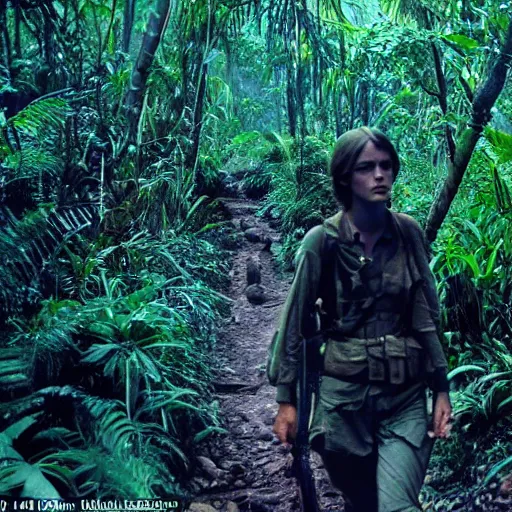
(298, 311)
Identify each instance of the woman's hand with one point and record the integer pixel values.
(285, 424)
(442, 416)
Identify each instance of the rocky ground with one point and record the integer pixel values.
(247, 469)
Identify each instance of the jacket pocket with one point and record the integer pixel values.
(345, 358)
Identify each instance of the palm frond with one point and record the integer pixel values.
(29, 245)
(34, 163)
(39, 116)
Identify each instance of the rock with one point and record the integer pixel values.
(503, 503)
(201, 507)
(265, 435)
(263, 461)
(230, 184)
(269, 418)
(253, 235)
(268, 243)
(244, 416)
(237, 470)
(200, 484)
(244, 225)
(279, 466)
(255, 294)
(253, 270)
(506, 486)
(209, 467)
(232, 507)
(239, 483)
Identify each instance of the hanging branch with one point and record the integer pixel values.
(481, 114)
(442, 97)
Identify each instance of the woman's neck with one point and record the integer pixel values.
(369, 218)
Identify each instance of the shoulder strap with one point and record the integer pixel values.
(327, 284)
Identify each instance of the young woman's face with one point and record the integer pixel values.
(372, 175)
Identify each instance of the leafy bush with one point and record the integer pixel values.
(300, 195)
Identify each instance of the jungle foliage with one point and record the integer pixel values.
(123, 121)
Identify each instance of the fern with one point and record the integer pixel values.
(40, 116)
(54, 351)
(29, 245)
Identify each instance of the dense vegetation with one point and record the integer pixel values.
(122, 124)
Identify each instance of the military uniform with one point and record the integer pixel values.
(370, 423)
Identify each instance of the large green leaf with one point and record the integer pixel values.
(465, 43)
(465, 369)
(501, 143)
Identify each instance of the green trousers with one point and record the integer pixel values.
(374, 444)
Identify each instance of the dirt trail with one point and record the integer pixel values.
(248, 469)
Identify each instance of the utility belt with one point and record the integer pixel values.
(385, 359)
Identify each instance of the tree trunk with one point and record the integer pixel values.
(129, 15)
(5, 42)
(17, 24)
(363, 101)
(48, 46)
(291, 100)
(197, 124)
(300, 99)
(198, 119)
(337, 106)
(154, 32)
(109, 29)
(482, 104)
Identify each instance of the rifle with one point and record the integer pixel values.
(307, 396)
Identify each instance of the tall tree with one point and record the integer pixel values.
(129, 15)
(465, 145)
(134, 98)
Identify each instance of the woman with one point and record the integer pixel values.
(366, 270)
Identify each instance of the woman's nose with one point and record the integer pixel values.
(378, 172)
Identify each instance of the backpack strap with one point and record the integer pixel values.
(328, 286)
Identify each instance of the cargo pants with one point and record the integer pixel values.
(374, 444)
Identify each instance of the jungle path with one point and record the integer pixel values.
(247, 469)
